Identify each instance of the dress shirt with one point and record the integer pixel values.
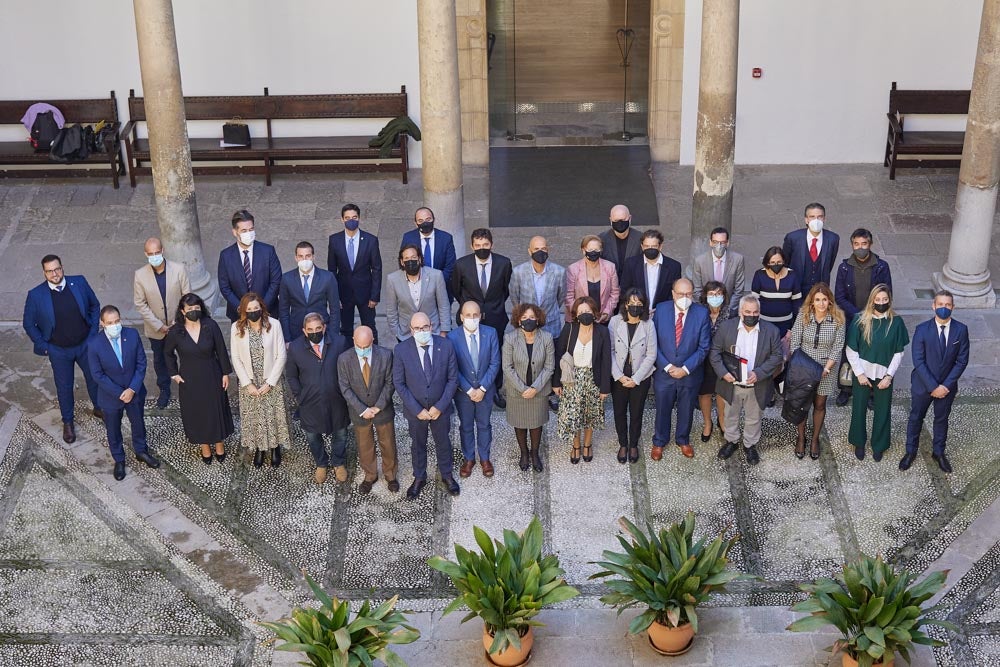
(539, 279)
(423, 242)
(249, 250)
(468, 346)
(721, 264)
(652, 275)
(947, 329)
(746, 346)
(361, 362)
(414, 289)
(489, 270)
(59, 287)
(684, 323)
(819, 241)
(311, 275)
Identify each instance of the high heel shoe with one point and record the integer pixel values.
(258, 458)
(800, 448)
(574, 457)
(814, 452)
(536, 461)
(220, 457)
(207, 460)
(706, 438)
(588, 457)
(525, 462)
(622, 454)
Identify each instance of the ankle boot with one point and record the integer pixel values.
(276, 456)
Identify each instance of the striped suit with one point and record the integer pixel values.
(533, 412)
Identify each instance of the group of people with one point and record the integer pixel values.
(618, 322)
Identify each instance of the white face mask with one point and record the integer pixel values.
(154, 260)
(114, 330)
(246, 238)
(815, 225)
(305, 265)
(682, 303)
(471, 324)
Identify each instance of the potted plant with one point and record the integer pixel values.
(506, 583)
(331, 638)
(669, 574)
(875, 608)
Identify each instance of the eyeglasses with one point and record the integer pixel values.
(421, 329)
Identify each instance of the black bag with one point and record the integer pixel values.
(236, 133)
(71, 144)
(101, 133)
(43, 131)
(802, 376)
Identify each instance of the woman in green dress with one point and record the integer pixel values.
(875, 344)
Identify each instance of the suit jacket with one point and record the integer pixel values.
(600, 355)
(112, 377)
(149, 303)
(696, 337)
(733, 277)
(377, 394)
(576, 286)
(465, 287)
(39, 317)
(642, 349)
(796, 251)
(444, 252)
(634, 275)
(434, 302)
(364, 282)
(609, 249)
(324, 298)
(931, 365)
(844, 293)
(768, 360)
(489, 359)
(315, 383)
(265, 273)
(522, 290)
(418, 392)
(274, 353)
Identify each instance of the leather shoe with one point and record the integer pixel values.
(753, 458)
(365, 487)
(467, 466)
(727, 450)
(340, 473)
(148, 459)
(843, 397)
(706, 438)
(320, 475)
(69, 433)
(859, 453)
(450, 485)
(276, 456)
(415, 489)
(393, 486)
(942, 462)
(487, 468)
(657, 453)
(163, 399)
(687, 450)
(907, 460)
(877, 456)
(499, 401)
(99, 413)
(119, 470)
(258, 458)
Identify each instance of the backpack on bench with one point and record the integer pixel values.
(43, 131)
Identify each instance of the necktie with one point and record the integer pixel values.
(474, 353)
(813, 250)
(246, 269)
(428, 258)
(718, 270)
(316, 350)
(944, 343)
(678, 328)
(366, 372)
(116, 343)
(482, 279)
(426, 361)
(350, 253)
(305, 286)
(60, 288)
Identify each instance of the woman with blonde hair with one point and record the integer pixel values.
(819, 330)
(875, 343)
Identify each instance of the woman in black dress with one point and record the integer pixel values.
(203, 377)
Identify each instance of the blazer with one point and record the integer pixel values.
(844, 292)
(112, 377)
(576, 286)
(515, 362)
(733, 276)
(274, 353)
(522, 290)
(324, 298)
(364, 282)
(696, 337)
(489, 359)
(315, 383)
(465, 287)
(417, 392)
(600, 355)
(377, 394)
(634, 275)
(609, 247)
(149, 303)
(931, 366)
(768, 360)
(39, 318)
(434, 302)
(265, 273)
(796, 251)
(444, 252)
(643, 349)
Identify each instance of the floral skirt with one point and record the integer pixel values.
(581, 405)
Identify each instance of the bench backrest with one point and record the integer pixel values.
(74, 111)
(928, 101)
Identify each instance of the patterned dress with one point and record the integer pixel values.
(264, 419)
(581, 405)
(821, 345)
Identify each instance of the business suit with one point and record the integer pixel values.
(399, 306)
(475, 429)
(265, 277)
(359, 285)
(609, 248)
(635, 359)
(689, 354)
(443, 254)
(377, 393)
(493, 304)
(293, 305)
(576, 286)
(933, 366)
(634, 275)
(733, 276)
(528, 413)
(553, 279)
(796, 252)
(156, 314)
(420, 391)
(112, 379)
(315, 384)
(40, 322)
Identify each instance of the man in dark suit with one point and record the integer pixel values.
(307, 289)
(425, 374)
(620, 242)
(683, 335)
(478, 355)
(311, 371)
(484, 277)
(940, 355)
(436, 245)
(118, 363)
(652, 272)
(248, 266)
(353, 258)
(812, 251)
(59, 316)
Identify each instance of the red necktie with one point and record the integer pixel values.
(813, 250)
(678, 328)
(316, 350)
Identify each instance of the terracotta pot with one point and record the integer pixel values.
(848, 661)
(668, 640)
(510, 657)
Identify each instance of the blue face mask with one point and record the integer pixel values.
(422, 337)
(942, 313)
(114, 330)
(363, 353)
(154, 260)
(715, 300)
(352, 224)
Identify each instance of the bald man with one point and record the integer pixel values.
(621, 241)
(542, 283)
(156, 290)
(437, 247)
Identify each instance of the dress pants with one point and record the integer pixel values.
(745, 399)
(669, 394)
(475, 429)
(440, 429)
(919, 404)
(347, 318)
(63, 359)
(135, 411)
(338, 448)
(160, 365)
(882, 410)
(366, 449)
(628, 404)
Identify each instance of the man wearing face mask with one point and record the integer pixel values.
(721, 265)
(118, 364)
(542, 283)
(354, 258)
(437, 247)
(621, 241)
(415, 287)
(248, 266)
(307, 289)
(652, 272)
(156, 289)
(812, 250)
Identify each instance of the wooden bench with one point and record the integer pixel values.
(272, 154)
(928, 145)
(85, 112)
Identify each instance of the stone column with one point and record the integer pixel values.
(966, 273)
(173, 182)
(715, 142)
(440, 114)
(666, 75)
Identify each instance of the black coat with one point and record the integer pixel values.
(493, 304)
(314, 383)
(802, 376)
(601, 350)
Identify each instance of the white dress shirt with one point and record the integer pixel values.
(489, 270)
(468, 346)
(59, 287)
(746, 347)
(423, 241)
(247, 250)
(652, 276)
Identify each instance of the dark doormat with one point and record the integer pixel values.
(570, 186)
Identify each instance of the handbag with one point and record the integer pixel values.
(236, 132)
(845, 377)
(566, 368)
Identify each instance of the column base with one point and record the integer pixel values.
(449, 215)
(970, 291)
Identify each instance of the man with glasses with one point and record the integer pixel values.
(721, 265)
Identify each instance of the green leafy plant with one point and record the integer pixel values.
(876, 609)
(506, 584)
(330, 638)
(667, 572)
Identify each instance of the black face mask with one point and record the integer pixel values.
(426, 227)
(253, 315)
(593, 255)
(620, 225)
(315, 337)
(483, 253)
(751, 320)
(651, 253)
(193, 315)
(635, 311)
(586, 319)
(776, 268)
(881, 307)
(529, 325)
(540, 256)
(412, 267)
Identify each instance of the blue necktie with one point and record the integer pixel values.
(305, 286)
(428, 258)
(482, 280)
(427, 361)
(474, 350)
(350, 253)
(944, 343)
(116, 344)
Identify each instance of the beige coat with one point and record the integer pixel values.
(274, 354)
(146, 296)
